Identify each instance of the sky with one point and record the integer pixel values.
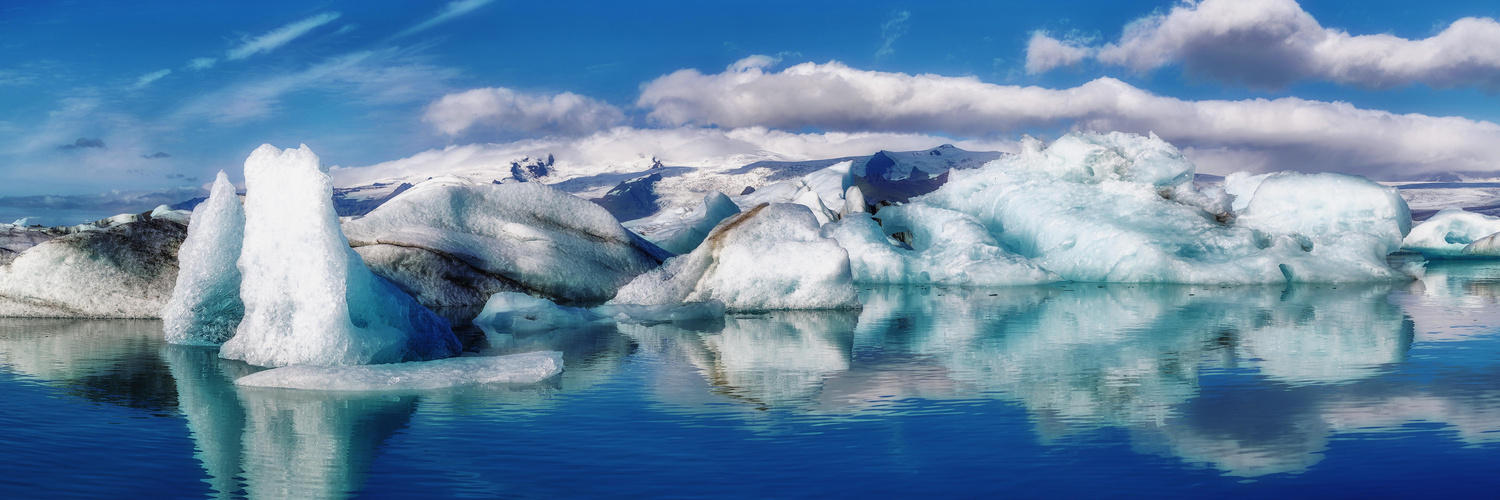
(109, 107)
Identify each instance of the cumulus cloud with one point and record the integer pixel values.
(1043, 53)
(630, 149)
(147, 78)
(156, 155)
(505, 109)
(1289, 132)
(1275, 42)
(890, 31)
(279, 36)
(447, 13)
(83, 143)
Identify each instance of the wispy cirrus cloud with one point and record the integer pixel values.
(147, 78)
(373, 76)
(447, 13)
(279, 36)
(891, 30)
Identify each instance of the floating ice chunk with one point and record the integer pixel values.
(1123, 208)
(308, 297)
(1488, 246)
(663, 313)
(1448, 233)
(522, 236)
(206, 306)
(769, 257)
(682, 235)
(123, 271)
(166, 212)
(946, 247)
(1347, 224)
(528, 368)
(518, 312)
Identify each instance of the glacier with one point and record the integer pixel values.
(451, 242)
(770, 256)
(309, 299)
(205, 307)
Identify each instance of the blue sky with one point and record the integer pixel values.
(205, 83)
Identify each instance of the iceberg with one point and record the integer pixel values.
(681, 234)
(1449, 232)
(518, 312)
(205, 307)
(450, 242)
(122, 271)
(528, 368)
(309, 299)
(16, 238)
(768, 257)
(1123, 208)
(1488, 246)
(945, 247)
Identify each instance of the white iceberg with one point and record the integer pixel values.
(1123, 208)
(122, 271)
(205, 307)
(943, 247)
(518, 312)
(1447, 233)
(768, 257)
(528, 368)
(681, 233)
(484, 239)
(309, 299)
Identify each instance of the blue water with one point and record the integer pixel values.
(1068, 390)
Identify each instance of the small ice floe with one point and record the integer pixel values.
(527, 368)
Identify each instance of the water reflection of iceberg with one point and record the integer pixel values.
(768, 359)
(107, 361)
(1454, 301)
(1078, 357)
(263, 443)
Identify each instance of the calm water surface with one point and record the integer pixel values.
(1069, 390)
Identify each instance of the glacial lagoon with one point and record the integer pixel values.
(1073, 389)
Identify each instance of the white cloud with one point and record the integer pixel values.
(1293, 133)
(202, 63)
(279, 36)
(1271, 43)
(447, 13)
(890, 31)
(505, 109)
(1043, 53)
(380, 76)
(147, 78)
(629, 149)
